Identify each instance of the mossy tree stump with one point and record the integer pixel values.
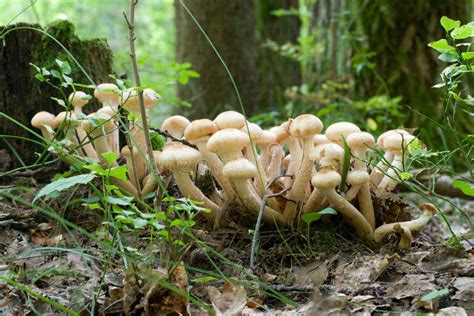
(22, 95)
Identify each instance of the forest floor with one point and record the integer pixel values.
(332, 273)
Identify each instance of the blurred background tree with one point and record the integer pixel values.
(363, 61)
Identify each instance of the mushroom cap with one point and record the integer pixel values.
(66, 116)
(150, 97)
(230, 119)
(256, 132)
(240, 168)
(281, 132)
(178, 157)
(200, 128)
(428, 209)
(107, 92)
(357, 177)
(328, 151)
(79, 98)
(267, 138)
(326, 180)
(106, 110)
(227, 139)
(381, 138)
(98, 122)
(175, 125)
(305, 125)
(396, 142)
(131, 101)
(43, 118)
(336, 131)
(360, 140)
(320, 139)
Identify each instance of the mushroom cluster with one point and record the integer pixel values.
(283, 172)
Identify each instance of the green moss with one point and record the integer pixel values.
(94, 55)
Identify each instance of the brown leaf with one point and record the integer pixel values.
(231, 301)
(40, 240)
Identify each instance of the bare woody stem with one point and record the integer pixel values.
(131, 39)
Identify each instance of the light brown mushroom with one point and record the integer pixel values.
(406, 237)
(198, 132)
(303, 127)
(182, 160)
(230, 119)
(228, 144)
(109, 96)
(360, 143)
(397, 144)
(326, 182)
(382, 166)
(69, 122)
(416, 225)
(79, 99)
(175, 125)
(338, 131)
(240, 171)
(43, 119)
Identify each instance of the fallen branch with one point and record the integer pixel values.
(168, 135)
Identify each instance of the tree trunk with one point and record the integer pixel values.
(276, 72)
(398, 32)
(230, 25)
(22, 95)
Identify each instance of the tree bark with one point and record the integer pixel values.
(22, 95)
(230, 25)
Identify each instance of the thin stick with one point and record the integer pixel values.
(168, 135)
(253, 254)
(131, 39)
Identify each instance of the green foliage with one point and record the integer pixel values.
(157, 141)
(53, 188)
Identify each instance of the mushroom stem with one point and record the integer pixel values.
(326, 182)
(365, 204)
(406, 237)
(297, 193)
(390, 180)
(191, 191)
(428, 209)
(353, 216)
(149, 184)
(274, 167)
(380, 169)
(315, 201)
(253, 202)
(215, 167)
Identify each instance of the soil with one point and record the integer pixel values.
(332, 272)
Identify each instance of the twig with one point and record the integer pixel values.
(168, 135)
(131, 39)
(256, 232)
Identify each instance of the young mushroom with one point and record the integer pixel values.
(382, 166)
(406, 237)
(68, 120)
(359, 178)
(198, 132)
(182, 160)
(43, 119)
(79, 99)
(240, 171)
(416, 225)
(228, 143)
(230, 119)
(109, 95)
(303, 127)
(326, 182)
(397, 144)
(337, 132)
(175, 125)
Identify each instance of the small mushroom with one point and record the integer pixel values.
(359, 143)
(182, 160)
(175, 125)
(43, 119)
(382, 166)
(428, 211)
(228, 143)
(338, 131)
(303, 127)
(406, 237)
(230, 119)
(397, 144)
(240, 171)
(326, 182)
(108, 95)
(198, 132)
(79, 99)
(68, 120)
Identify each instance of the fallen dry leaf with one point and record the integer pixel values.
(231, 301)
